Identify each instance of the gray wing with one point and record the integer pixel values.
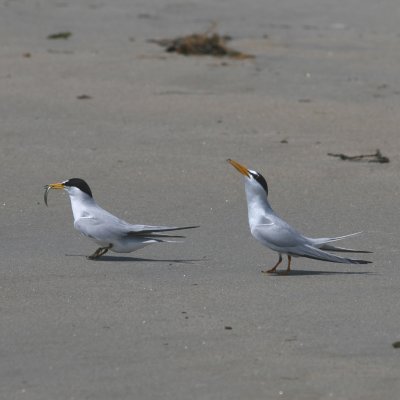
(281, 237)
(277, 233)
(99, 228)
(107, 225)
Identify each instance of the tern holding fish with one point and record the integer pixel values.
(273, 232)
(105, 229)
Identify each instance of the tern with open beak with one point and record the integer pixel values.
(108, 231)
(273, 232)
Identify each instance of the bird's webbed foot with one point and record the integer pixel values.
(273, 269)
(99, 252)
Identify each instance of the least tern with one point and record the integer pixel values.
(108, 231)
(273, 232)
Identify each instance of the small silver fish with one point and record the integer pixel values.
(47, 188)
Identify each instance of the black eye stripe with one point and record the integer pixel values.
(80, 184)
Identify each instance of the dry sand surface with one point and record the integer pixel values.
(198, 320)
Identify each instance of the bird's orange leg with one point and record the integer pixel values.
(288, 266)
(270, 271)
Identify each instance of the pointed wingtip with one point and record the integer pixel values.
(186, 227)
(360, 261)
(329, 247)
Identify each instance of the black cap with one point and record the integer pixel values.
(80, 184)
(260, 179)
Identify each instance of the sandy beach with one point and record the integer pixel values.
(150, 132)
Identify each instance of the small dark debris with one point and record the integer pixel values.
(228, 328)
(83, 97)
(284, 141)
(60, 35)
(396, 345)
(197, 44)
(53, 51)
(304, 100)
(27, 55)
(377, 157)
(280, 26)
(310, 27)
(146, 16)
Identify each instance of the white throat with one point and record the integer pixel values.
(258, 206)
(81, 203)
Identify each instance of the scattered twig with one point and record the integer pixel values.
(60, 35)
(377, 157)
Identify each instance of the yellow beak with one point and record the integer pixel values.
(55, 186)
(241, 168)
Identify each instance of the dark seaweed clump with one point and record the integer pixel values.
(201, 44)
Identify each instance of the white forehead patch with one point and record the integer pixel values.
(253, 172)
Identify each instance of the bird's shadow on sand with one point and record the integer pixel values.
(138, 259)
(305, 272)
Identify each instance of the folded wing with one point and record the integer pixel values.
(156, 231)
(309, 251)
(283, 238)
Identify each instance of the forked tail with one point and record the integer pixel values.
(322, 243)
